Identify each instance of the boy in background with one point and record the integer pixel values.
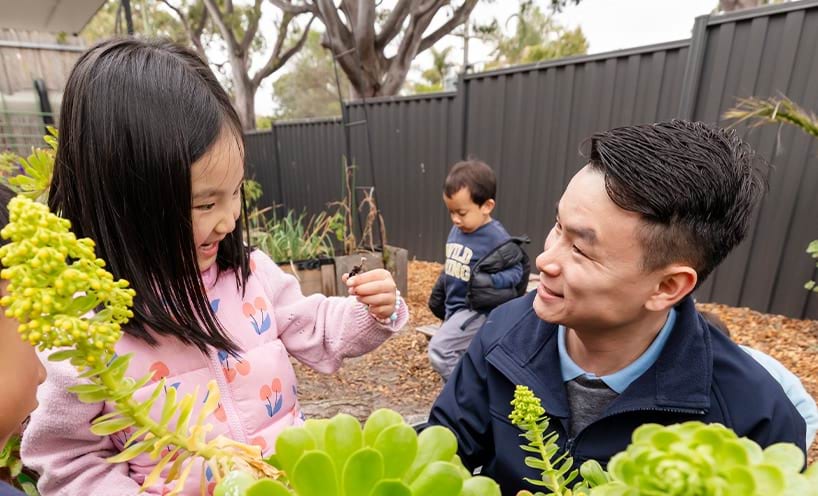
(484, 268)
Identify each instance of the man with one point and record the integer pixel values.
(611, 339)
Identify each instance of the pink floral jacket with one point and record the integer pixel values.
(258, 389)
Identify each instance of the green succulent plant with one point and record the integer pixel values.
(694, 458)
(385, 457)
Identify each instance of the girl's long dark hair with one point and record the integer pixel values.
(135, 116)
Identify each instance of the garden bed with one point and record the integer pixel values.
(398, 374)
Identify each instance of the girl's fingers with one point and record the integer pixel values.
(371, 283)
(382, 312)
(378, 300)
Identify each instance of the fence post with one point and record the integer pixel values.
(279, 202)
(463, 92)
(693, 68)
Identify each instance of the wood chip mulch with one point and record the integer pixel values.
(397, 375)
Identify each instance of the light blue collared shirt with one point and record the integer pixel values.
(621, 379)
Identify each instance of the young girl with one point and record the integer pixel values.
(20, 369)
(150, 166)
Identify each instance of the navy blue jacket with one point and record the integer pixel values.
(699, 375)
(7, 490)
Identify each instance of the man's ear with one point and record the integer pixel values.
(488, 206)
(677, 281)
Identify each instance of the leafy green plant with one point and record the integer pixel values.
(705, 459)
(777, 110)
(55, 280)
(294, 237)
(338, 457)
(252, 192)
(37, 169)
(12, 467)
(688, 459)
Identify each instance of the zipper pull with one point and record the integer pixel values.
(569, 445)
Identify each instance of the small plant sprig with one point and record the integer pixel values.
(12, 467)
(35, 179)
(557, 473)
(55, 281)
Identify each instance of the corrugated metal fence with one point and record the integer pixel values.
(528, 122)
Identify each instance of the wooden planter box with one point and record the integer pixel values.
(397, 264)
(314, 276)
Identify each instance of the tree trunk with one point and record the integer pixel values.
(731, 5)
(244, 94)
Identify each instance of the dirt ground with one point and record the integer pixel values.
(397, 375)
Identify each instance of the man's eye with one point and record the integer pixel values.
(578, 251)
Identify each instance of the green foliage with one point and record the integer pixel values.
(529, 415)
(701, 459)
(536, 37)
(150, 18)
(685, 459)
(338, 457)
(12, 467)
(55, 280)
(264, 122)
(812, 249)
(307, 89)
(35, 179)
(777, 110)
(252, 192)
(295, 237)
(435, 76)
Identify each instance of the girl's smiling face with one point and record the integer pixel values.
(216, 196)
(20, 372)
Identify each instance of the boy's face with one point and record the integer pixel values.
(20, 374)
(467, 215)
(591, 274)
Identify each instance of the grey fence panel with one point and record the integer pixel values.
(528, 123)
(262, 163)
(310, 154)
(768, 53)
(413, 141)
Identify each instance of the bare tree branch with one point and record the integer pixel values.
(252, 26)
(287, 6)
(278, 59)
(459, 17)
(225, 30)
(336, 29)
(194, 33)
(391, 27)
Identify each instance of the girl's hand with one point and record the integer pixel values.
(376, 289)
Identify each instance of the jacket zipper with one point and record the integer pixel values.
(237, 433)
(571, 442)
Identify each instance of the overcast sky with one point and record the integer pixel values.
(607, 24)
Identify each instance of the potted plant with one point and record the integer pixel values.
(299, 245)
(372, 245)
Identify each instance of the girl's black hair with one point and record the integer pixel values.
(135, 116)
(6, 194)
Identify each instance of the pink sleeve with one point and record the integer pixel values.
(59, 444)
(318, 330)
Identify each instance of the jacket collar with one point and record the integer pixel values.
(680, 378)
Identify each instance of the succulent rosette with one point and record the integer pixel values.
(385, 457)
(697, 459)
